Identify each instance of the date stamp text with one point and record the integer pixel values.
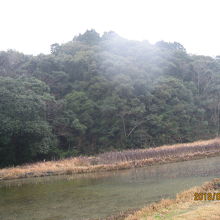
(206, 196)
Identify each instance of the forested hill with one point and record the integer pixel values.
(100, 93)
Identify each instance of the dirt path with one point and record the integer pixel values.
(200, 211)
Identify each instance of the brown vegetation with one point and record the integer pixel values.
(187, 149)
(183, 201)
(116, 160)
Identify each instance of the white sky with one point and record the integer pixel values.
(31, 26)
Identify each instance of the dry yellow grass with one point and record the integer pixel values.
(183, 207)
(203, 212)
(116, 160)
(176, 150)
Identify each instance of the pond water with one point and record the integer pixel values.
(98, 195)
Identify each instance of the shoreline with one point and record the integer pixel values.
(182, 205)
(77, 165)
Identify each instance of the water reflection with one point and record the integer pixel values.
(95, 195)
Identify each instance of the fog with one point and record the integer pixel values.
(31, 26)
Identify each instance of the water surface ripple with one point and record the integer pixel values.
(98, 195)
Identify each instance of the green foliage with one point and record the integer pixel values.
(89, 37)
(24, 131)
(99, 93)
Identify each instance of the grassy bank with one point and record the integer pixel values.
(183, 206)
(116, 160)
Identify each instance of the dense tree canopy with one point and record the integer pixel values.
(99, 93)
(25, 130)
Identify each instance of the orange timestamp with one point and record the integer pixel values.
(206, 196)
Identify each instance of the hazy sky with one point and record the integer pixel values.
(31, 26)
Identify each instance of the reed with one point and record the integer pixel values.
(201, 147)
(116, 160)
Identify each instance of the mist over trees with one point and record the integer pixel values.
(101, 93)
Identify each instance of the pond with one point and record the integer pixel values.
(98, 195)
